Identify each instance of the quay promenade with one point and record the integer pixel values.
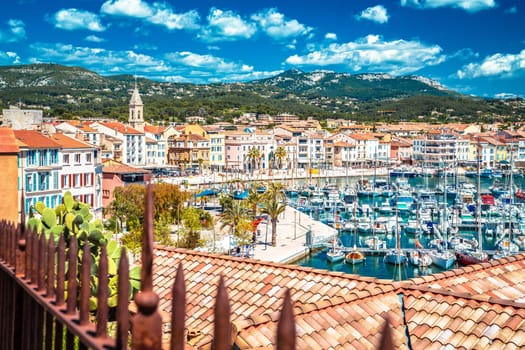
(292, 229)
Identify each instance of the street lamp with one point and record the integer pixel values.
(295, 224)
(266, 237)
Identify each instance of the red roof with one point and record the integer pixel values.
(7, 141)
(121, 128)
(34, 139)
(69, 142)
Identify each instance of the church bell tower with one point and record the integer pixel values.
(136, 110)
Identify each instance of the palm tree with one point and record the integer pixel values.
(280, 154)
(274, 204)
(236, 217)
(254, 156)
(273, 207)
(276, 190)
(254, 198)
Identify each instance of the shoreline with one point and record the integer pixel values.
(287, 176)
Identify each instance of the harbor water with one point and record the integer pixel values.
(374, 266)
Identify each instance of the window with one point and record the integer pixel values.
(65, 159)
(43, 181)
(77, 158)
(30, 157)
(88, 158)
(88, 179)
(76, 178)
(29, 183)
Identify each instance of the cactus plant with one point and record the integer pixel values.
(75, 218)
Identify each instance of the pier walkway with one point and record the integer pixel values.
(292, 229)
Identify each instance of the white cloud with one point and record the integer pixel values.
(276, 26)
(467, 5)
(497, 65)
(158, 13)
(127, 8)
(330, 36)
(74, 19)
(9, 57)
(15, 32)
(178, 66)
(226, 26)
(376, 14)
(97, 59)
(165, 16)
(207, 62)
(372, 53)
(94, 39)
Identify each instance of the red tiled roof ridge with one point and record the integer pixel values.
(321, 272)
(466, 296)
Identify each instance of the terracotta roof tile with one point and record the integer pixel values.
(335, 310)
(69, 142)
(34, 139)
(8, 143)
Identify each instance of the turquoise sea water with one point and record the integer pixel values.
(374, 265)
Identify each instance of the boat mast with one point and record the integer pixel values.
(478, 200)
(511, 190)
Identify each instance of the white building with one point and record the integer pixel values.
(81, 171)
(133, 141)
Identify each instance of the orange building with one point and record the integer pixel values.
(9, 185)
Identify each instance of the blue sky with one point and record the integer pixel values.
(471, 46)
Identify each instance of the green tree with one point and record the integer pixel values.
(236, 218)
(254, 158)
(280, 155)
(273, 208)
(128, 208)
(195, 220)
(274, 204)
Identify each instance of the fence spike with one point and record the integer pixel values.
(41, 262)
(102, 293)
(178, 311)
(147, 243)
(222, 337)
(386, 336)
(61, 270)
(85, 285)
(35, 250)
(27, 257)
(147, 323)
(72, 275)
(50, 281)
(123, 301)
(286, 327)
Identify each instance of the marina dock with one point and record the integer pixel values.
(293, 230)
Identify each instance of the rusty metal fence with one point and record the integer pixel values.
(44, 299)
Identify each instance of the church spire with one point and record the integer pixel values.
(136, 110)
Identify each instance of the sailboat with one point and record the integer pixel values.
(355, 256)
(469, 257)
(419, 257)
(396, 255)
(336, 253)
(442, 257)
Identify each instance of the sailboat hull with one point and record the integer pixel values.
(443, 259)
(355, 257)
(395, 258)
(470, 258)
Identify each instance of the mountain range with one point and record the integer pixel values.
(75, 91)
